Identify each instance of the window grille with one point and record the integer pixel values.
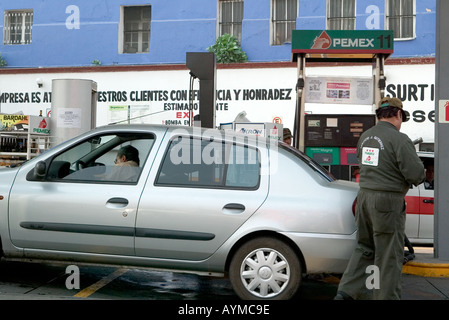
(400, 18)
(18, 27)
(230, 18)
(283, 20)
(136, 31)
(341, 14)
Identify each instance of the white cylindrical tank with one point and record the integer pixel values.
(73, 108)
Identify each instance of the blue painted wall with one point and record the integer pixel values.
(177, 27)
(312, 15)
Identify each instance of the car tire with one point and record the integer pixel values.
(265, 268)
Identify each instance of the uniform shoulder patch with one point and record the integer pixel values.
(370, 156)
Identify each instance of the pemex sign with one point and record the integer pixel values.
(342, 41)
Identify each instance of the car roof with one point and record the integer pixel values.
(208, 133)
(425, 154)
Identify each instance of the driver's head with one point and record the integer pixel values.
(128, 153)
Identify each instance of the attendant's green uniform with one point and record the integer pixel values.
(389, 165)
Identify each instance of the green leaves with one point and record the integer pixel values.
(227, 50)
(2, 61)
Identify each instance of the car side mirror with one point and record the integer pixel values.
(40, 169)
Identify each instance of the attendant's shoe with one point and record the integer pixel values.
(342, 296)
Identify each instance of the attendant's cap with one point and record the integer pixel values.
(395, 103)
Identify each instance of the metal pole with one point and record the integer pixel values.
(299, 127)
(441, 210)
(203, 66)
(379, 78)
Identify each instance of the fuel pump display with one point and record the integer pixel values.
(331, 140)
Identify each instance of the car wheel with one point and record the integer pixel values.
(265, 268)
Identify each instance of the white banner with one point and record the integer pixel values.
(339, 90)
(265, 94)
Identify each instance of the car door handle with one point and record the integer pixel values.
(428, 201)
(233, 208)
(117, 202)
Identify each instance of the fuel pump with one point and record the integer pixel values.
(332, 138)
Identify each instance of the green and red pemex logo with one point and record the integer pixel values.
(322, 42)
(342, 41)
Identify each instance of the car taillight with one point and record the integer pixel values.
(354, 204)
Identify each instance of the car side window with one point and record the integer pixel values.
(103, 159)
(429, 170)
(212, 164)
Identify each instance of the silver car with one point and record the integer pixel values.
(198, 200)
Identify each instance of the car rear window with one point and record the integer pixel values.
(212, 164)
(320, 170)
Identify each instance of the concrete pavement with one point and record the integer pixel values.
(426, 265)
(425, 277)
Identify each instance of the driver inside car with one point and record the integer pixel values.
(126, 165)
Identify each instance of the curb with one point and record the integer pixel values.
(434, 270)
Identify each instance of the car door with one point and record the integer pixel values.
(78, 209)
(426, 210)
(420, 205)
(426, 200)
(412, 202)
(420, 208)
(189, 209)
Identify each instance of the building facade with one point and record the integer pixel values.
(64, 33)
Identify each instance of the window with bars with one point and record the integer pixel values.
(341, 14)
(136, 29)
(18, 26)
(230, 18)
(400, 17)
(283, 20)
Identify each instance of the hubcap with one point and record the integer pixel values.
(265, 272)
